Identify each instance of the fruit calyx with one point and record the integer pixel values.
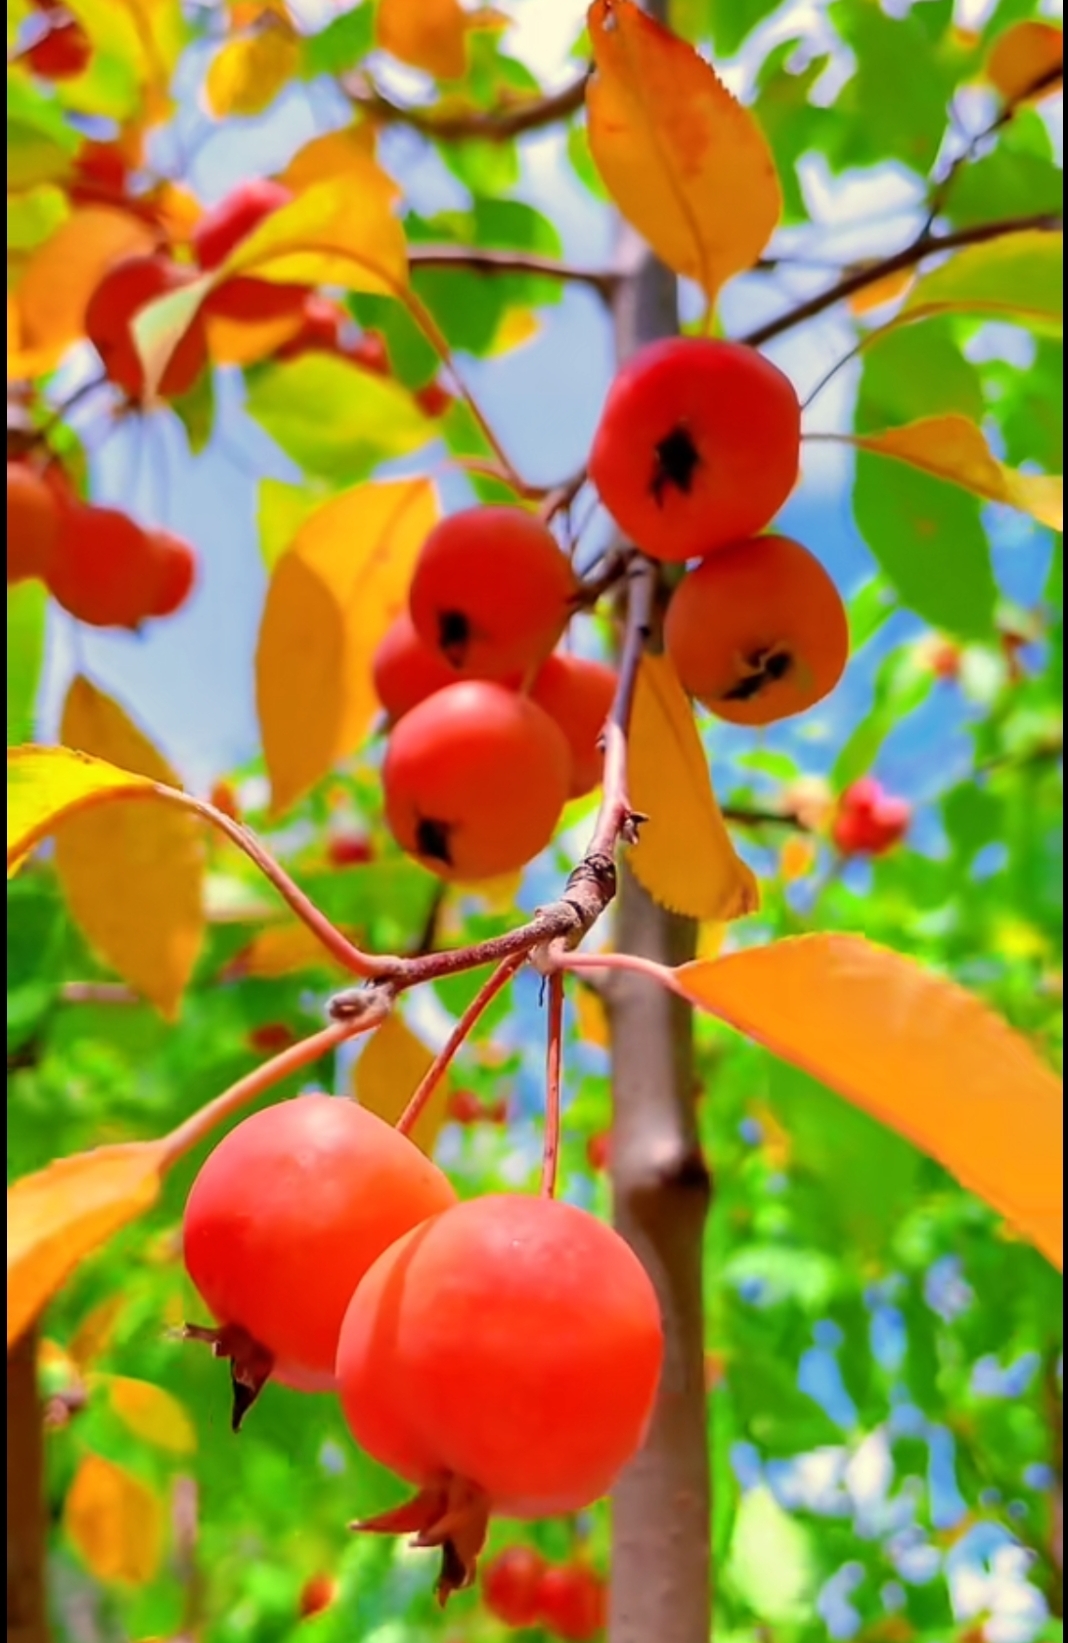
(761, 668)
(450, 1513)
(250, 1363)
(677, 460)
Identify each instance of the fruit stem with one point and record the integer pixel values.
(257, 1083)
(436, 1071)
(615, 819)
(553, 1060)
(583, 962)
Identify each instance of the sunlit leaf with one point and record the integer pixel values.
(285, 949)
(426, 34)
(387, 1073)
(915, 1051)
(231, 342)
(331, 597)
(132, 876)
(46, 784)
(1017, 277)
(684, 856)
(334, 419)
(1024, 55)
(683, 160)
(953, 448)
(280, 512)
(63, 1213)
(247, 73)
(151, 1413)
(349, 152)
(114, 1522)
(772, 1564)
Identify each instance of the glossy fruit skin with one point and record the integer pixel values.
(405, 671)
(33, 516)
(103, 570)
(758, 632)
(63, 53)
(514, 1342)
(491, 591)
(288, 1213)
(122, 293)
(510, 1583)
(224, 227)
(869, 822)
(572, 1603)
(475, 779)
(175, 562)
(698, 445)
(577, 695)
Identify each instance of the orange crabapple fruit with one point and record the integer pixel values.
(475, 778)
(510, 1583)
(506, 1354)
(572, 1602)
(33, 520)
(123, 292)
(758, 632)
(491, 591)
(222, 229)
(698, 445)
(103, 569)
(287, 1214)
(577, 695)
(405, 671)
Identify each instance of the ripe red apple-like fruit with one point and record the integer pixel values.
(123, 292)
(223, 228)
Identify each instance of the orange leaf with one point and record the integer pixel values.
(232, 342)
(283, 950)
(1025, 55)
(684, 857)
(387, 1074)
(114, 1522)
(917, 1052)
(67, 1210)
(331, 597)
(93, 1336)
(349, 152)
(132, 875)
(888, 289)
(426, 34)
(683, 160)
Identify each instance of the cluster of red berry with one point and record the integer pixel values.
(697, 449)
(869, 821)
(478, 768)
(501, 1354)
(96, 562)
(522, 1589)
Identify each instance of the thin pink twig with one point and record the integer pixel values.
(553, 1062)
(434, 1074)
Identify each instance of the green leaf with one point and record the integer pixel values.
(900, 687)
(730, 21)
(27, 604)
(792, 125)
(1018, 277)
(281, 510)
(913, 371)
(881, 122)
(974, 817)
(341, 45)
(1004, 184)
(928, 539)
(334, 419)
(772, 1564)
(35, 156)
(34, 216)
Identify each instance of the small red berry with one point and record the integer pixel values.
(510, 1585)
(869, 822)
(572, 1602)
(321, 332)
(316, 1595)
(405, 670)
(33, 523)
(597, 1151)
(175, 571)
(349, 850)
(103, 569)
(272, 1038)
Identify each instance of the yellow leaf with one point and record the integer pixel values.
(232, 342)
(114, 1523)
(952, 448)
(426, 34)
(93, 1336)
(387, 1074)
(133, 876)
(1025, 55)
(796, 858)
(284, 949)
(61, 275)
(686, 164)
(67, 1210)
(917, 1052)
(592, 1017)
(151, 1413)
(711, 934)
(247, 74)
(346, 153)
(47, 784)
(331, 597)
(684, 857)
(1017, 277)
(888, 289)
(517, 327)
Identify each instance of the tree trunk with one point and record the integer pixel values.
(661, 1573)
(26, 1618)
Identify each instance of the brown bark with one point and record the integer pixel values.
(661, 1574)
(26, 1614)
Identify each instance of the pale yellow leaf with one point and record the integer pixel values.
(285, 949)
(914, 1050)
(1017, 277)
(427, 34)
(331, 597)
(953, 448)
(132, 876)
(247, 74)
(114, 1522)
(93, 1336)
(64, 1212)
(151, 1413)
(1026, 54)
(684, 857)
(346, 153)
(386, 1076)
(46, 784)
(686, 164)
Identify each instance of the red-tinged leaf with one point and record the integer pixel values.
(914, 1050)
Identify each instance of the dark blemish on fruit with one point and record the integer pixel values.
(769, 666)
(432, 839)
(454, 636)
(677, 460)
